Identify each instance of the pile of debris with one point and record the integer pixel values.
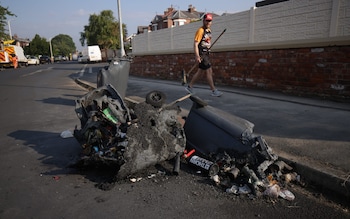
(134, 136)
(225, 146)
(130, 137)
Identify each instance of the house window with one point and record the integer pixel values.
(155, 27)
(179, 22)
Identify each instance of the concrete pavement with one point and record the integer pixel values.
(312, 134)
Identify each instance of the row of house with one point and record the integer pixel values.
(173, 18)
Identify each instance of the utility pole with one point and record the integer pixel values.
(51, 55)
(8, 24)
(122, 51)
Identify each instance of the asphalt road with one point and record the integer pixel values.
(36, 181)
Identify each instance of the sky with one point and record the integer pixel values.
(48, 18)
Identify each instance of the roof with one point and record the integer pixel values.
(190, 14)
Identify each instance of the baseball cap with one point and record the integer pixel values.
(208, 17)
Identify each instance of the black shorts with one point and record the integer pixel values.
(205, 63)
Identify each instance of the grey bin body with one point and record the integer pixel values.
(209, 130)
(116, 74)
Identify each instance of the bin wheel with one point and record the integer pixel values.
(155, 98)
(100, 81)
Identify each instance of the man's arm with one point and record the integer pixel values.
(196, 52)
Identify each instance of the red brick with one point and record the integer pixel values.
(297, 71)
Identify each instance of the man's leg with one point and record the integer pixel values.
(209, 74)
(195, 77)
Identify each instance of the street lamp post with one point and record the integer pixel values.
(122, 51)
(9, 25)
(51, 55)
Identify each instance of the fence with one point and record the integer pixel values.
(292, 23)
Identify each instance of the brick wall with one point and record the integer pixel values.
(319, 71)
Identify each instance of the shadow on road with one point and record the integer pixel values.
(58, 100)
(56, 151)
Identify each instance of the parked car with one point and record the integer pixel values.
(57, 58)
(33, 60)
(83, 59)
(45, 60)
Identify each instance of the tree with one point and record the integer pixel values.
(63, 44)
(38, 46)
(4, 12)
(102, 30)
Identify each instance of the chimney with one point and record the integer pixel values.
(191, 9)
(168, 10)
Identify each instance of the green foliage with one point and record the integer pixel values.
(102, 30)
(63, 45)
(4, 13)
(38, 46)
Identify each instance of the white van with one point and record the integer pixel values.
(94, 54)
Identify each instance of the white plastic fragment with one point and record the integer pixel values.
(288, 178)
(162, 173)
(66, 134)
(286, 194)
(272, 191)
(244, 189)
(151, 176)
(135, 179)
(216, 179)
(233, 189)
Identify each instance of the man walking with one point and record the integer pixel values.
(14, 61)
(202, 40)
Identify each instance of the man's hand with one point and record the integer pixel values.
(198, 59)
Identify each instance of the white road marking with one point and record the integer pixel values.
(35, 72)
(81, 73)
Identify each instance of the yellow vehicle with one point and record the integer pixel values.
(6, 55)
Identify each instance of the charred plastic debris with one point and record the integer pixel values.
(236, 159)
(130, 137)
(133, 136)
